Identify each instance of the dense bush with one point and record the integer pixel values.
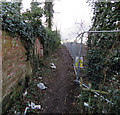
(52, 41)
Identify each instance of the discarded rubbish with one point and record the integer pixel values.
(37, 106)
(24, 94)
(53, 66)
(33, 106)
(26, 110)
(41, 86)
(95, 95)
(86, 104)
(40, 77)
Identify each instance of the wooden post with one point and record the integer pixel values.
(81, 83)
(99, 101)
(89, 99)
(97, 91)
(110, 104)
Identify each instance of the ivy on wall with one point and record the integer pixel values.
(28, 25)
(104, 48)
(103, 55)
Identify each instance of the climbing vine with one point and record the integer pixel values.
(28, 25)
(104, 48)
(103, 64)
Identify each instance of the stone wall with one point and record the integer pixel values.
(14, 68)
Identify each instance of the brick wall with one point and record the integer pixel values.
(0, 72)
(38, 48)
(14, 68)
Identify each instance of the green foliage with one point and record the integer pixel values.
(52, 41)
(104, 48)
(10, 16)
(28, 25)
(48, 10)
(103, 54)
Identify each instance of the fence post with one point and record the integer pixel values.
(81, 101)
(89, 100)
(110, 104)
(99, 101)
(78, 68)
(1, 70)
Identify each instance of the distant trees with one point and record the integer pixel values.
(48, 8)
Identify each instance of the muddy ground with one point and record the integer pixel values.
(60, 92)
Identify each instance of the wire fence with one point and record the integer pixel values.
(107, 92)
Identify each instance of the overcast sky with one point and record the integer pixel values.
(71, 12)
(67, 13)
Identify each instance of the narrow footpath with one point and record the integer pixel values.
(60, 93)
(58, 97)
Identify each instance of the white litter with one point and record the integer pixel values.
(40, 77)
(26, 110)
(33, 106)
(37, 106)
(24, 94)
(95, 95)
(86, 104)
(41, 86)
(53, 66)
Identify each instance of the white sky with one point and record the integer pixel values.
(67, 13)
(71, 12)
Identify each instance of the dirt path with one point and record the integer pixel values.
(58, 97)
(60, 92)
